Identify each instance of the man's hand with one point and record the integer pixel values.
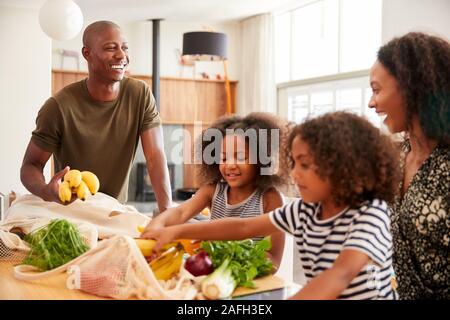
(51, 190)
(32, 177)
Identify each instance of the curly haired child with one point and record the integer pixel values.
(237, 180)
(346, 171)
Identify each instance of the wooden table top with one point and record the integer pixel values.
(51, 288)
(54, 287)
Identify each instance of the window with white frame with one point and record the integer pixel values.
(323, 50)
(310, 100)
(324, 37)
(314, 45)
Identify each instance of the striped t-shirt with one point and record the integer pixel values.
(319, 243)
(250, 207)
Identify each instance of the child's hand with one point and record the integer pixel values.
(153, 227)
(162, 235)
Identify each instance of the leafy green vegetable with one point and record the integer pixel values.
(247, 258)
(54, 245)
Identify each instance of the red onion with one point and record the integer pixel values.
(199, 264)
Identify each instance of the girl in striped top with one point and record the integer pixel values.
(345, 171)
(235, 182)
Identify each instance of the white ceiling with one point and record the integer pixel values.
(172, 10)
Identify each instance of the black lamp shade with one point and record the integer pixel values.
(203, 45)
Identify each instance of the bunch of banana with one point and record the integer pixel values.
(146, 246)
(80, 183)
(189, 246)
(168, 264)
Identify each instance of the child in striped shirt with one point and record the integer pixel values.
(233, 183)
(345, 171)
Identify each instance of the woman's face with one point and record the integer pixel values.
(235, 165)
(387, 99)
(311, 186)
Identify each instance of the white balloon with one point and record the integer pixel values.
(61, 19)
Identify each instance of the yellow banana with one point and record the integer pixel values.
(162, 265)
(164, 269)
(65, 194)
(146, 246)
(169, 245)
(140, 229)
(163, 259)
(91, 181)
(171, 269)
(82, 191)
(73, 177)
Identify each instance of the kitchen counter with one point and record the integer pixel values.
(52, 288)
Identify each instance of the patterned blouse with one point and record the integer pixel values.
(421, 229)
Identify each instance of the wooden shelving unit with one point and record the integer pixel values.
(183, 102)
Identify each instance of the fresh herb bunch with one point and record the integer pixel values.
(54, 245)
(247, 258)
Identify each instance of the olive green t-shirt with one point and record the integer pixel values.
(101, 137)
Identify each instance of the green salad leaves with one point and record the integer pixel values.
(246, 259)
(54, 245)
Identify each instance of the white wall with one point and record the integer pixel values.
(403, 16)
(25, 84)
(139, 36)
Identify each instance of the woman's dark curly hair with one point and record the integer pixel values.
(358, 160)
(210, 174)
(421, 65)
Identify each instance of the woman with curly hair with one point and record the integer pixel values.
(239, 175)
(345, 171)
(411, 87)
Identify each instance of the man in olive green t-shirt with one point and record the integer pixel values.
(95, 125)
